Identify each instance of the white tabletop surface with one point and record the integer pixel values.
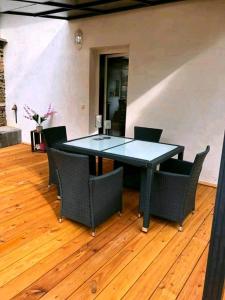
(98, 142)
(142, 150)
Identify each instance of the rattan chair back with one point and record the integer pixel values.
(147, 134)
(73, 174)
(194, 177)
(54, 135)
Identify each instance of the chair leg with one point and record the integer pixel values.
(120, 213)
(60, 219)
(93, 232)
(94, 287)
(144, 229)
(180, 227)
(193, 212)
(59, 197)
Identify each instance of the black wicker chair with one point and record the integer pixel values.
(174, 188)
(52, 136)
(147, 134)
(87, 199)
(132, 174)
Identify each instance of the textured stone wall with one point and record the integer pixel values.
(2, 87)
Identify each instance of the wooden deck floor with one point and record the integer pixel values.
(42, 259)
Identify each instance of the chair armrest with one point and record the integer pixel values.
(177, 166)
(107, 178)
(53, 179)
(106, 194)
(170, 180)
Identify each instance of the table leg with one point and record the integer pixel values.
(181, 155)
(92, 165)
(99, 165)
(142, 192)
(116, 164)
(146, 185)
(32, 141)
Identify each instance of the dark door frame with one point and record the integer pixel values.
(102, 83)
(215, 272)
(101, 88)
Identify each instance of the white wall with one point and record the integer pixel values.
(176, 71)
(42, 67)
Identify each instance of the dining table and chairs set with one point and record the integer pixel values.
(166, 182)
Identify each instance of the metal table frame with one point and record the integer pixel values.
(147, 168)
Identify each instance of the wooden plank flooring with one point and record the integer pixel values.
(42, 259)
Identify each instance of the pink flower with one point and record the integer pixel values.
(32, 115)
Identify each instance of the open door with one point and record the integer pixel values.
(113, 93)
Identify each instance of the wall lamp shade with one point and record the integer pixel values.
(79, 38)
(98, 121)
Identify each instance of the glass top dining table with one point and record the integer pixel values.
(146, 155)
(99, 142)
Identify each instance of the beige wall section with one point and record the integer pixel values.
(176, 71)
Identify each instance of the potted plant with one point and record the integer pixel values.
(33, 115)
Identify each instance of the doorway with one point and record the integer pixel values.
(113, 93)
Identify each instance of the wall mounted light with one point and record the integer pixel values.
(14, 108)
(79, 38)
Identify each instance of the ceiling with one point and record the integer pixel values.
(72, 9)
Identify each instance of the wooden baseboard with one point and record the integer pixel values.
(208, 184)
